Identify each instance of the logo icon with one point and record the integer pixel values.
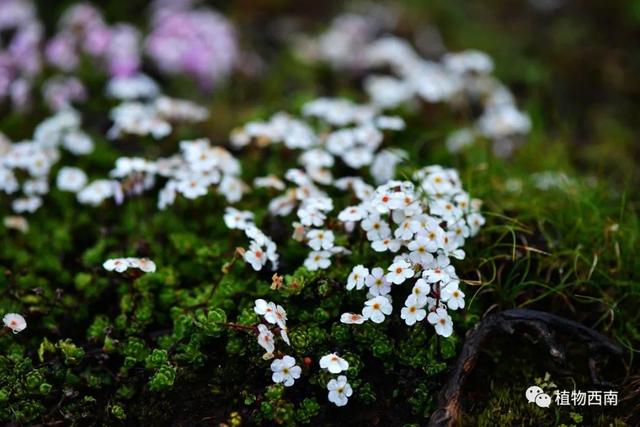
(536, 395)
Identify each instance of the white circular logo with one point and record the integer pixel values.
(536, 395)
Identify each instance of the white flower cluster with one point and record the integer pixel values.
(284, 370)
(131, 87)
(457, 78)
(276, 315)
(261, 248)
(120, 265)
(422, 223)
(153, 117)
(340, 45)
(339, 389)
(425, 227)
(198, 166)
(355, 140)
(355, 144)
(145, 110)
(34, 159)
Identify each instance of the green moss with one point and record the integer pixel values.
(113, 348)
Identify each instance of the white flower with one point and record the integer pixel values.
(376, 228)
(280, 317)
(265, 339)
(33, 187)
(475, 221)
(450, 246)
(311, 217)
(96, 192)
(270, 181)
(191, 188)
(399, 271)
(318, 260)
(235, 219)
(78, 143)
(71, 179)
(8, 182)
(442, 322)
(266, 309)
(445, 209)
(272, 313)
(333, 363)
(17, 223)
(285, 335)
(144, 264)
(352, 319)
(179, 109)
(255, 256)
(138, 119)
(357, 277)
(390, 122)
(436, 274)
(15, 322)
(420, 291)
(377, 282)
(285, 371)
(412, 313)
(26, 204)
(421, 250)
(167, 195)
(386, 245)
(231, 187)
(339, 391)
(459, 232)
(320, 239)
(431, 235)
(39, 164)
(453, 296)
(352, 213)
(118, 265)
(385, 202)
(407, 229)
(132, 87)
(376, 308)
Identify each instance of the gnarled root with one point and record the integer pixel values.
(542, 325)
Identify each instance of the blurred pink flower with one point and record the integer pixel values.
(197, 42)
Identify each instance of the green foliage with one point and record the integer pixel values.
(163, 378)
(108, 347)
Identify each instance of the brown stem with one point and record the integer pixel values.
(237, 326)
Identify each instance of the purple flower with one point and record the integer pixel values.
(60, 91)
(61, 51)
(198, 42)
(20, 54)
(123, 53)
